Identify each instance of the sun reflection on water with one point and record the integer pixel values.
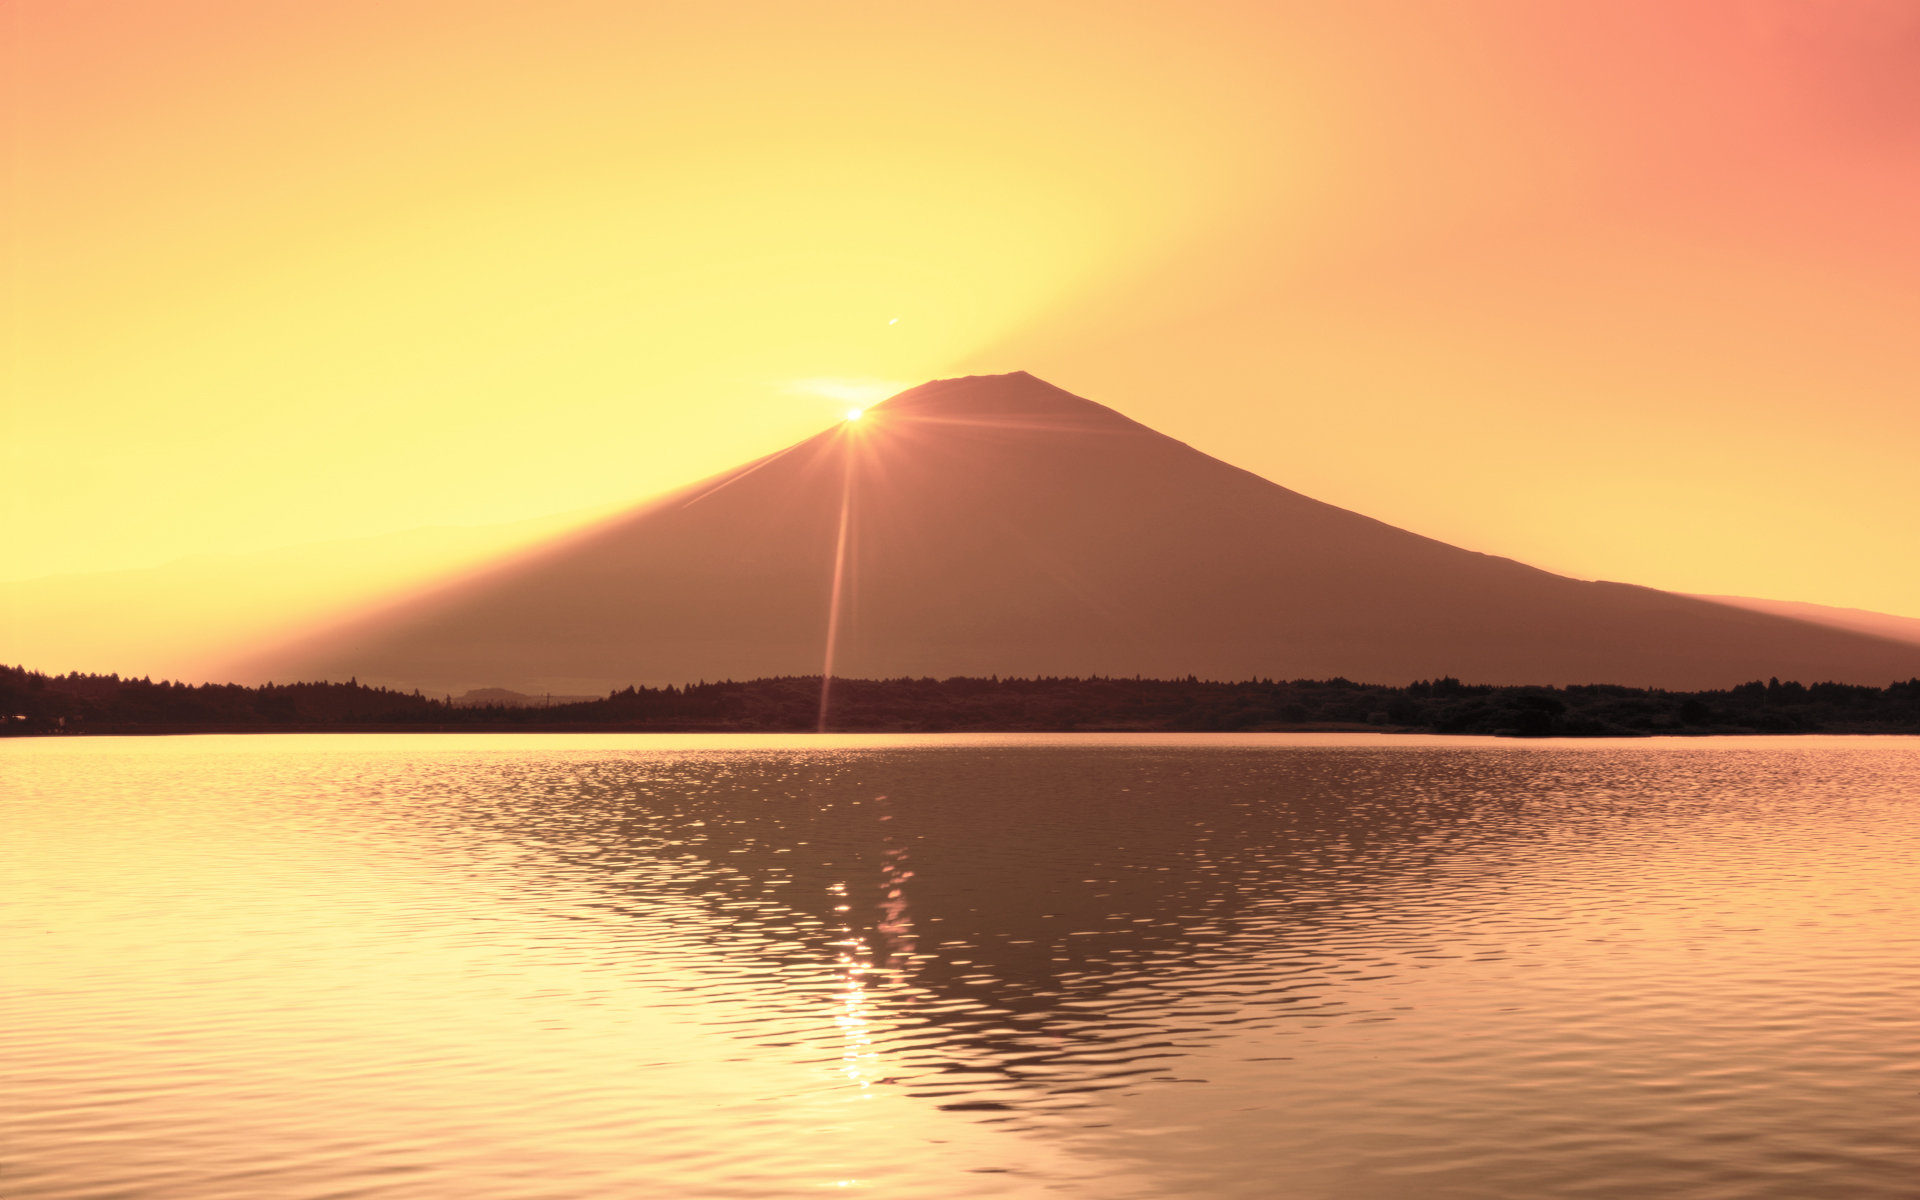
(864, 966)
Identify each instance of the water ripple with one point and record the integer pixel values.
(419, 966)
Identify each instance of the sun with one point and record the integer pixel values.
(854, 414)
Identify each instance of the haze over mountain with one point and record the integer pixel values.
(999, 525)
(186, 618)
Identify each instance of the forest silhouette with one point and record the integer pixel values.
(36, 703)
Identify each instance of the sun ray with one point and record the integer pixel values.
(839, 579)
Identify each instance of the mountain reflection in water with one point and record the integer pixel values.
(1157, 966)
(1065, 915)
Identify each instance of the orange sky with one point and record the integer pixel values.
(1626, 290)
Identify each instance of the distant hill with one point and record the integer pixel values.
(1858, 620)
(999, 525)
(507, 698)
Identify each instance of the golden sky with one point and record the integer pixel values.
(1624, 289)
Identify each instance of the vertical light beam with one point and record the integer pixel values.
(839, 577)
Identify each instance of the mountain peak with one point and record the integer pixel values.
(1016, 394)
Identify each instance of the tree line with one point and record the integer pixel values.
(33, 703)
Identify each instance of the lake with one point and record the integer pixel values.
(953, 966)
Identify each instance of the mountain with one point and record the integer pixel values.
(999, 525)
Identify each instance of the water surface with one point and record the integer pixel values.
(1269, 965)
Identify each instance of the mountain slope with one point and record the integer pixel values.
(996, 524)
